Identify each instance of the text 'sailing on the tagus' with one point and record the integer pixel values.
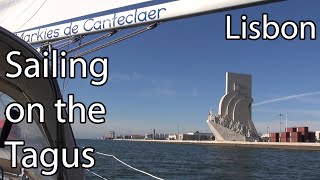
(95, 112)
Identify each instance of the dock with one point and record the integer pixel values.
(274, 145)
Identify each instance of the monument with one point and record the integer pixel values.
(234, 119)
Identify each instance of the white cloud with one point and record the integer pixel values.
(285, 98)
(136, 76)
(119, 77)
(164, 91)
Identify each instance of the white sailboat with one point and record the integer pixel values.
(29, 22)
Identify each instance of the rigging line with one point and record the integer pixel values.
(96, 174)
(53, 43)
(135, 33)
(111, 43)
(64, 87)
(20, 12)
(109, 34)
(109, 155)
(71, 41)
(64, 39)
(130, 166)
(68, 79)
(1, 99)
(66, 42)
(63, 44)
(33, 15)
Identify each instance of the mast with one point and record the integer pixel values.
(286, 120)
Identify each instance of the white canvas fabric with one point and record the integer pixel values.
(18, 15)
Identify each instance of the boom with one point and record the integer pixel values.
(146, 15)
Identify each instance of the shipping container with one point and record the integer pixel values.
(311, 137)
(295, 137)
(295, 134)
(284, 135)
(274, 135)
(283, 140)
(291, 129)
(274, 139)
(306, 137)
(303, 130)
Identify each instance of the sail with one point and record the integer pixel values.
(18, 15)
(145, 15)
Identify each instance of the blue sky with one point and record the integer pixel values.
(175, 73)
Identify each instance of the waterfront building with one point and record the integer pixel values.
(172, 137)
(156, 136)
(317, 135)
(196, 136)
(133, 137)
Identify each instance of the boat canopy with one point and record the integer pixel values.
(42, 90)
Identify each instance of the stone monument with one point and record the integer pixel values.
(234, 119)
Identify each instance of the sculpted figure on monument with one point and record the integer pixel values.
(245, 130)
(221, 121)
(237, 127)
(216, 120)
(211, 115)
(249, 133)
(241, 130)
(226, 122)
(230, 124)
(234, 127)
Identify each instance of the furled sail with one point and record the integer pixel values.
(18, 15)
(35, 13)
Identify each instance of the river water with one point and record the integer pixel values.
(193, 161)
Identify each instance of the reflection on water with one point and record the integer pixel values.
(187, 161)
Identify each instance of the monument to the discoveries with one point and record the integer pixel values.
(233, 122)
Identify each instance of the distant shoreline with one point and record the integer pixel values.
(274, 145)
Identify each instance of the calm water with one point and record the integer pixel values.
(187, 161)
